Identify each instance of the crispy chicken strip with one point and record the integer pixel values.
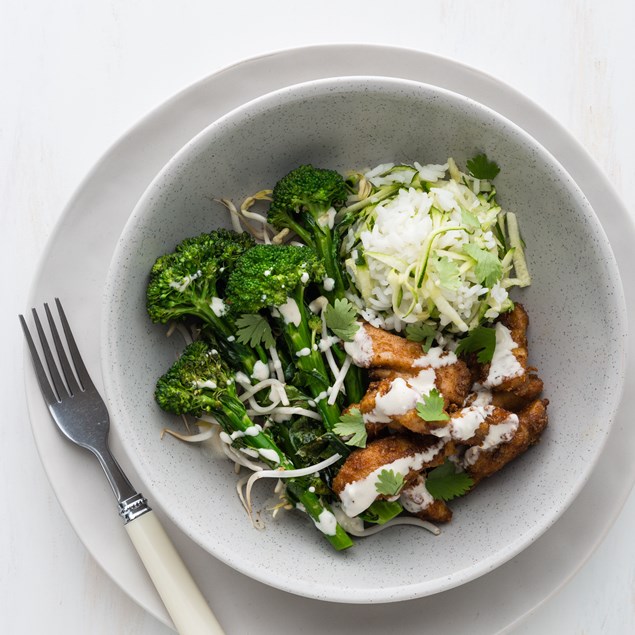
(373, 348)
(532, 420)
(452, 381)
(418, 501)
(364, 463)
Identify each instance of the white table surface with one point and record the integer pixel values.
(76, 75)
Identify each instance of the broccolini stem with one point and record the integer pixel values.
(233, 419)
(316, 509)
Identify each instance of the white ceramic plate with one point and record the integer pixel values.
(576, 308)
(87, 233)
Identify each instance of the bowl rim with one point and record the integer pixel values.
(483, 566)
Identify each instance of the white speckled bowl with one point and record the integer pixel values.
(578, 326)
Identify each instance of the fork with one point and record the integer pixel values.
(81, 415)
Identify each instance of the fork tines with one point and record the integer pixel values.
(57, 388)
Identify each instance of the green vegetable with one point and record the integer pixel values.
(305, 201)
(431, 408)
(301, 202)
(389, 483)
(445, 482)
(381, 511)
(253, 329)
(190, 282)
(341, 318)
(480, 167)
(268, 277)
(352, 425)
(488, 268)
(200, 382)
(481, 340)
(420, 332)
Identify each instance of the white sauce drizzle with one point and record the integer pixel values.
(290, 312)
(464, 427)
(497, 435)
(303, 352)
(326, 523)
(416, 498)
(186, 281)
(436, 357)
(401, 397)
(361, 348)
(261, 371)
(504, 363)
(328, 284)
(218, 307)
(205, 384)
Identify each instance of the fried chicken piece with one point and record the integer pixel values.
(480, 463)
(452, 381)
(521, 396)
(374, 347)
(425, 451)
(515, 392)
(418, 501)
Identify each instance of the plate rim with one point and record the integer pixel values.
(603, 186)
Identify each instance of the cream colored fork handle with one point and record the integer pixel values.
(185, 604)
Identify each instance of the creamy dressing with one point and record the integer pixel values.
(303, 352)
(465, 426)
(504, 363)
(261, 371)
(328, 284)
(361, 348)
(304, 278)
(497, 435)
(436, 357)
(205, 384)
(186, 281)
(270, 455)
(218, 307)
(326, 523)
(290, 312)
(416, 498)
(359, 495)
(401, 397)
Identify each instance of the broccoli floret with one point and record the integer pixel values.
(199, 382)
(267, 275)
(274, 277)
(303, 201)
(190, 282)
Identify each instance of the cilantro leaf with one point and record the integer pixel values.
(481, 340)
(253, 329)
(352, 424)
(431, 409)
(480, 167)
(381, 511)
(488, 268)
(445, 483)
(420, 332)
(469, 220)
(341, 318)
(389, 483)
(449, 275)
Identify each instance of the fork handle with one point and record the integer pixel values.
(183, 600)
